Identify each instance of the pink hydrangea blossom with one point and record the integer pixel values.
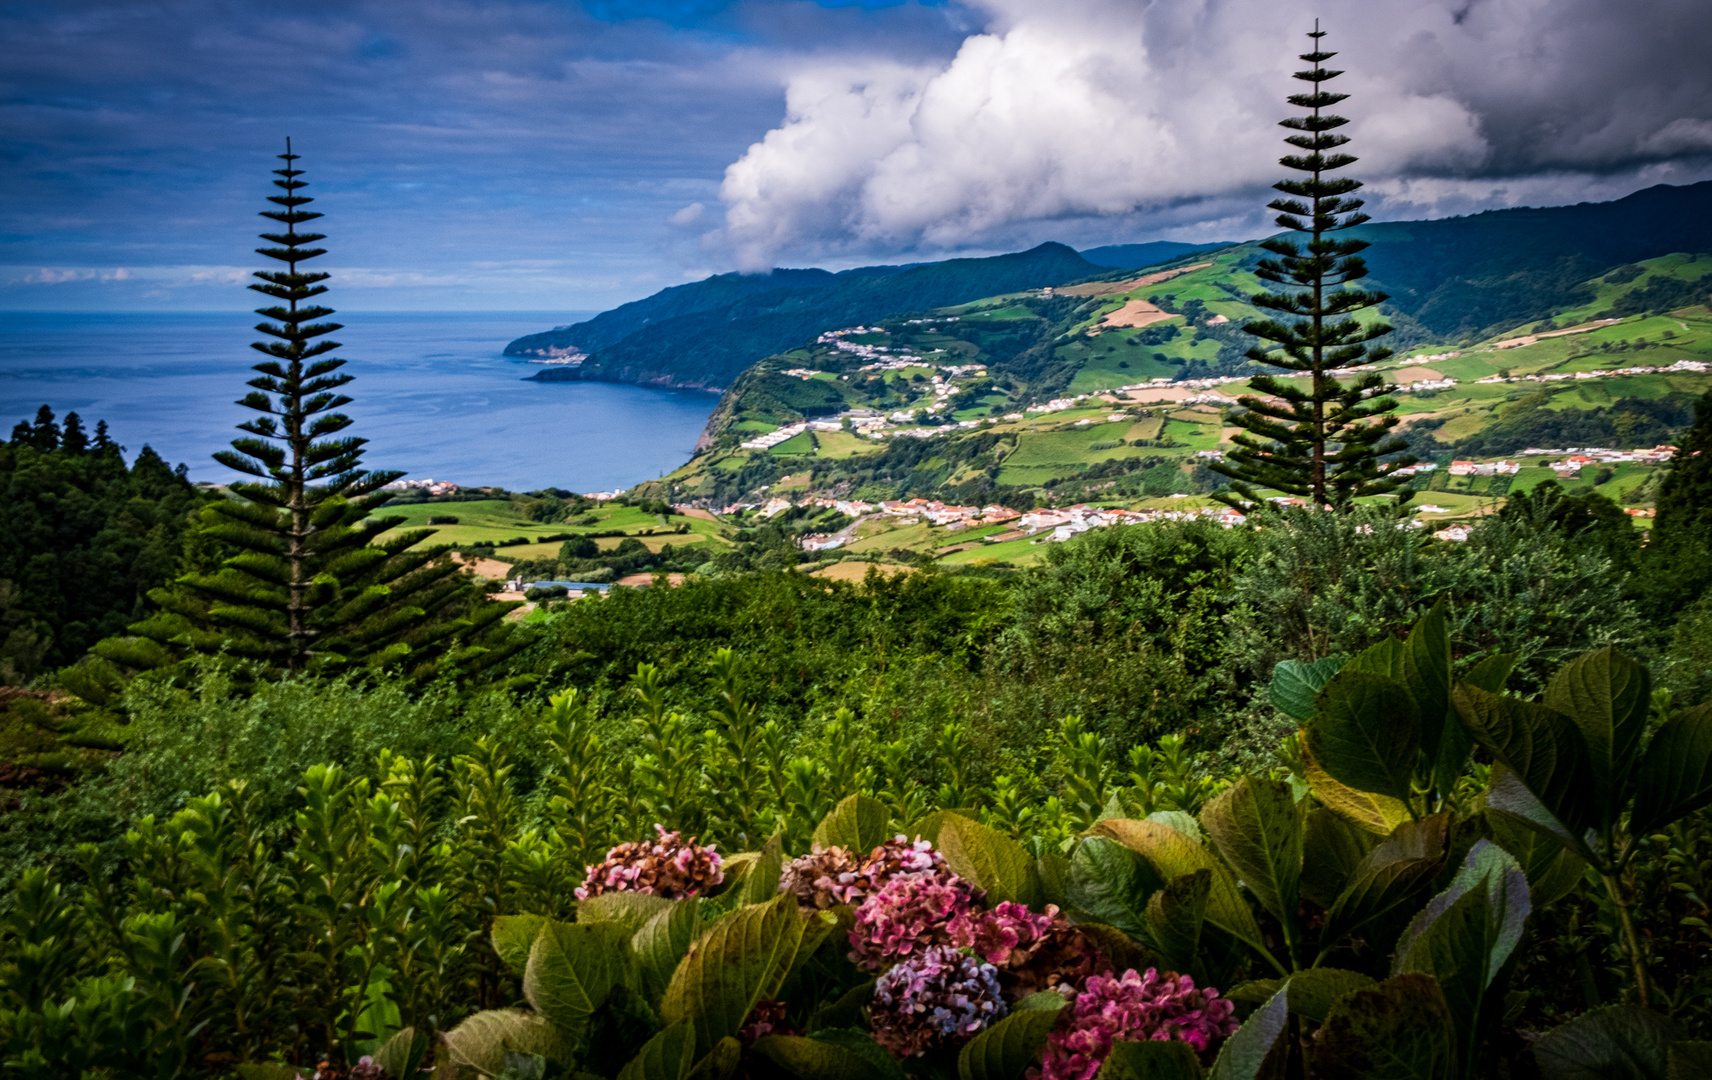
(666, 866)
(934, 998)
(1133, 1008)
(833, 875)
(995, 935)
(909, 913)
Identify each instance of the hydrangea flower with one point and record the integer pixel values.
(766, 1018)
(834, 875)
(1134, 1008)
(1032, 952)
(909, 913)
(664, 867)
(934, 998)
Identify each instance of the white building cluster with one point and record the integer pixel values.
(431, 486)
(1566, 376)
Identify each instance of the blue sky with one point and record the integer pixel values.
(555, 155)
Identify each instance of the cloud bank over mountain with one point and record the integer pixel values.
(1082, 115)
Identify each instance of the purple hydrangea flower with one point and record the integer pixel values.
(934, 998)
(1133, 1008)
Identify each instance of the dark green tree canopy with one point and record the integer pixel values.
(1322, 441)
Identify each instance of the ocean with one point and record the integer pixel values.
(432, 394)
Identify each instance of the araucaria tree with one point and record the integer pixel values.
(1319, 438)
(310, 582)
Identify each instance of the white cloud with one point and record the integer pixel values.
(689, 215)
(1107, 109)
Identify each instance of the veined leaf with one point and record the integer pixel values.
(1425, 665)
(1386, 885)
(762, 882)
(1295, 685)
(1506, 795)
(1257, 1045)
(1490, 673)
(1551, 869)
(1150, 1061)
(1172, 854)
(662, 942)
(990, 859)
(627, 909)
(1455, 742)
(1606, 694)
(721, 1062)
(513, 936)
(482, 1041)
(402, 1054)
(1620, 1042)
(1174, 917)
(743, 958)
(1181, 820)
(1688, 1060)
(1313, 992)
(1542, 746)
(1004, 1050)
(572, 968)
(669, 1055)
(1332, 847)
(1257, 825)
(1112, 883)
(1399, 1029)
(1053, 870)
(830, 1055)
(1464, 936)
(858, 825)
(1366, 733)
(1383, 657)
(1675, 777)
(1378, 814)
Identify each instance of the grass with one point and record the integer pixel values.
(1016, 552)
(796, 444)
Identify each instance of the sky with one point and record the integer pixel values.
(575, 154)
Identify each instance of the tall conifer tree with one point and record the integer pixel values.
(1321, 441)
(311, 583)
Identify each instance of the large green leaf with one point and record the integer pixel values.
(1621, 1042)
(1675, 777)
(1426, 673)
(1172, 854)
(1112, 883)
(1007, 1048)
(1257, 825)
(1386, 886)
(1689, 1061)
(1332, 847)
(1295, 684)
(1312, 991)
(1174, 917)
(662, 942)
(762, 882)
(1053, 870)
(830, 1055)
(721, 1062)
(1378, 814)
(1507, 796)
(669, 1055)
(858, 825)
(743, 958)
(513, 937)
(572, 968)
(990, 859)
(1552, 869)
(1399, 1029)
(1366, 733)
(1256, 1049)
(1607, 695)
(482, 1041)
(1383, 657)
(1465, 935)
(402, 1054)
(627, 909)
(1542, 746)
(1150, 1061)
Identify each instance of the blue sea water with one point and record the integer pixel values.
(433, 395)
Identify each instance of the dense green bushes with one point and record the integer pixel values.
(1382, 888)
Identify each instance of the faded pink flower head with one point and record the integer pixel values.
(664, 867)
(910, 912)
(834, 875)
(1133, 1008)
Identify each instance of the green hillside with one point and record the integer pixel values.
(1052, 397)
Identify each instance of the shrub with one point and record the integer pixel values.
(442, 519)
